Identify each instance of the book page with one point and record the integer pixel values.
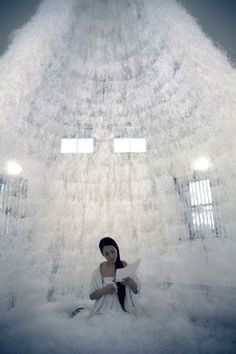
(127, 271)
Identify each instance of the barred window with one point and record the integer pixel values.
(13, 194)
(199, 210)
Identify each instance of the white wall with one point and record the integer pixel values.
(114, 65)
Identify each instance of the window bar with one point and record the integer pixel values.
(198, 183)
(7, 210)
(212, 220)
(1, 194)
(204, 207)
(211, 215)
(203, 194)
(24, 195)
(184, 198)
(184, 185)
(4, 196)
(192, 188)
(215, 211)
(7, 198)
(200, 211)
(188, 193)
(218, 229)
(190, 184)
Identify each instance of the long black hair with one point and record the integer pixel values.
(108, 241)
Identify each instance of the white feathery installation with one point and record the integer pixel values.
(117, 118)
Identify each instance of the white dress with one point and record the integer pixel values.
(110, 302)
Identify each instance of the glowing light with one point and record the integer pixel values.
(13, 168)
(201, 164)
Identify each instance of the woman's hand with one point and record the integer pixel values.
(109, 289)
(131, 283)
(127, 281)
(98, 293)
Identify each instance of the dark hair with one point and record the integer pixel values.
(108, 241)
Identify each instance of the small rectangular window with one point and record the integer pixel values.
(129, 145)
(122, 145)
(201, 204)
(76, 146)
(200, 212)
(68, 146)
(200, 192)
(85, 145)
(13, 194)
(138, 145)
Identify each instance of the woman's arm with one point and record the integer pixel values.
(98, 293)
(131, 283)
(134, 286)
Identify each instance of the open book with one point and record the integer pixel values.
(127, 271)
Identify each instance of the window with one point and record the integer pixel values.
(129, 145)
(75, 146)
(13, 194)
(68, 146)
(201, 204)
(200, 212)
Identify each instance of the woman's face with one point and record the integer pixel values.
(110, 253)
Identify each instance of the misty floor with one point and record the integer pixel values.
(175, 321)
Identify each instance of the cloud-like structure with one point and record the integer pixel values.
(108, 69)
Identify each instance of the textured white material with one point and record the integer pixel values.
(145, 69)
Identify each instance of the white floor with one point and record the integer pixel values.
(182, 321)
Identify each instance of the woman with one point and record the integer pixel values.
(110, 296)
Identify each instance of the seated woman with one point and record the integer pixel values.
(108, 295)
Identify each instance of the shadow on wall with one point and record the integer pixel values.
(13, 15)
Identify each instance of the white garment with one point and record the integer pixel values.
(110, 302)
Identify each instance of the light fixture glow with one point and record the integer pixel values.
(201, 164)
(13, 168)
